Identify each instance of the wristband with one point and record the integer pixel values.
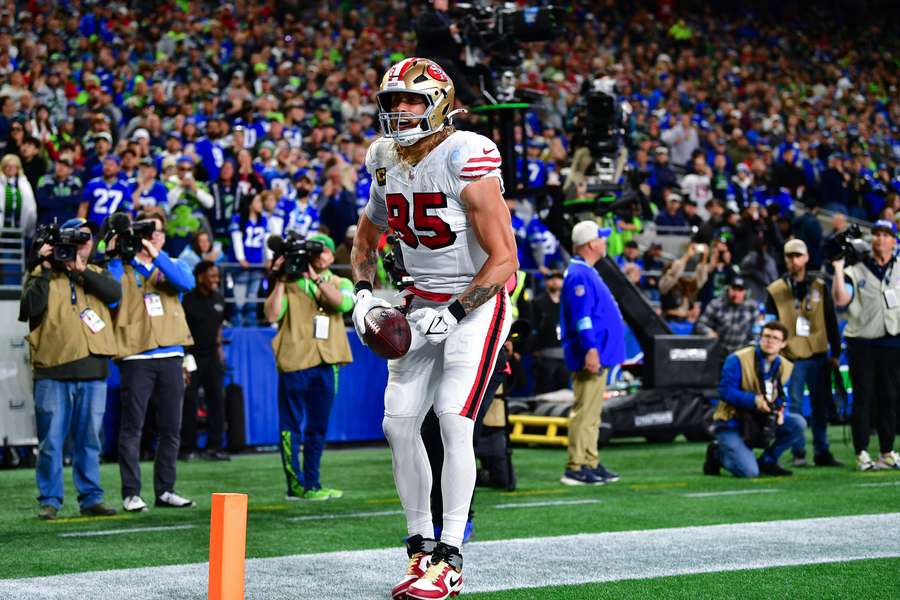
(363, 285)
(456, 309)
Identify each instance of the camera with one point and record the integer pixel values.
(847, 245)
(497, 31)
(393, 264)
(65, 242)
(129, 234)
(297, 253)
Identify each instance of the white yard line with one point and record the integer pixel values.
(506, 564)
(730, 493)
(545, 503)
(879, 484)
(357, 515)
(75, 534)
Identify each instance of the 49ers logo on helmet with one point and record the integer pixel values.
(436, 72)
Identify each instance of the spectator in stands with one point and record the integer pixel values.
(730, 318)
(70, 352)
(33, 164)
(873, 344)
(631, 254)
(751, 397)
(721, 270)
(801, 301)
(202, 247)
(682, 140)
(248, 231)
(678, 291)
(307, 362)
(593, 341)
(151, 333)
(59, 194)
(18, 208)
(662, 177)
(204, 309)
(673, 216)
(185, 189)
(146, 189)
(691, 218)
(550, 368)
(759, 270)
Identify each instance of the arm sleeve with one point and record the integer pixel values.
(376, 208)
(34, 298)
(578, 303)
(670, 277)
(709, 320)
(176, 272)
(103, 285)
(237, 240)
(204, 197)
(730, 385)
(346, 288)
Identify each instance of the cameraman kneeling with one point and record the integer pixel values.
(310, 346)
(751, 412)
(66, 305)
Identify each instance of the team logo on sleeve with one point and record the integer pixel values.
(381, 176)
(579, 290)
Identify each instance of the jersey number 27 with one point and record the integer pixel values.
(399, 221)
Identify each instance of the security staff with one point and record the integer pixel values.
(310, 346)
(593, 340)
(151, 332)
(71, 342)
(803, 304)
(752, 384)
(871, 292)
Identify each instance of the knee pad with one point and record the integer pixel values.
(397, 429)
(456, 431)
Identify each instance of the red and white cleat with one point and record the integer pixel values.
(419, 550)
(442, 579)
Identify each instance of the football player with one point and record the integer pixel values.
(441, 192)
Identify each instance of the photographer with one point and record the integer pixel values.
(438, 39)
(66, 305)
(870, 289)
(151, 332)
(310, 345)
(751, 412)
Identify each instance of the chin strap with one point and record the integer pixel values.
(455, 112)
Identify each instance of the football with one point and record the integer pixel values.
(387, 332)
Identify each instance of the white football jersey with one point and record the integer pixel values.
(422, 205)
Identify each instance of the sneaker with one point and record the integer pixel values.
(98, 510)
(891, 460)
(292, 497)
(864, 462)
(442, 579)
(47, 512)
(219, 455)
(605, 474)
(134, 504)
(173, 500)
(585, 476)
(419, 550)
(800, 460)
(711, 464)
(827, 459)
(188, 456)
(322, 494)
(773, 469)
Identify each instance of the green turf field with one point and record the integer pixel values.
(658, 490)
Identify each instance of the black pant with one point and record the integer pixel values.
(159, 380)
(550, 374)
(210, 375)
(875, 372)
(434, 444)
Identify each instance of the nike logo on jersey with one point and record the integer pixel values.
(488, 150)
(437, 327)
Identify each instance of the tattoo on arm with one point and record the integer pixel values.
(364, 262)
(476, 296)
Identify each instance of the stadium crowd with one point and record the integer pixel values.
(240, 120)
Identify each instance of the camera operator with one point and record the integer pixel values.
(66, 304)
(751, 412)
(310, 345)
(870, 289)
(151, 332)
(438, 39)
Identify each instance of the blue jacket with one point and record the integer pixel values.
(177, 273)
(589, 318)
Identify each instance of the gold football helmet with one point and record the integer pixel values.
(415, 76)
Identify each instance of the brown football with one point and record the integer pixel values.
(387, 332)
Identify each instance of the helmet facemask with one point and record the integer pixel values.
(393, 123)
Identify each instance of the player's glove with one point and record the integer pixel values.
(364, 301)
(435, 325)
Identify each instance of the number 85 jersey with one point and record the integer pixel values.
(422, 205)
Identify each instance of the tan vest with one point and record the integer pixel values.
(869, 316)
(136, 330)
(812, 308)
(750, 380)
(295, 346)
(62, 337)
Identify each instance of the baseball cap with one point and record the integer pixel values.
(147, 162)
(66, 160)
(103, 135)
(661, 150)
(587, 231)
(884, 225)
(140, 134)
(738, 282)
(78, 223)
(795, 246)
(321, 237)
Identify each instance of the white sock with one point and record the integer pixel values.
(457, 476)
(412, 472)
